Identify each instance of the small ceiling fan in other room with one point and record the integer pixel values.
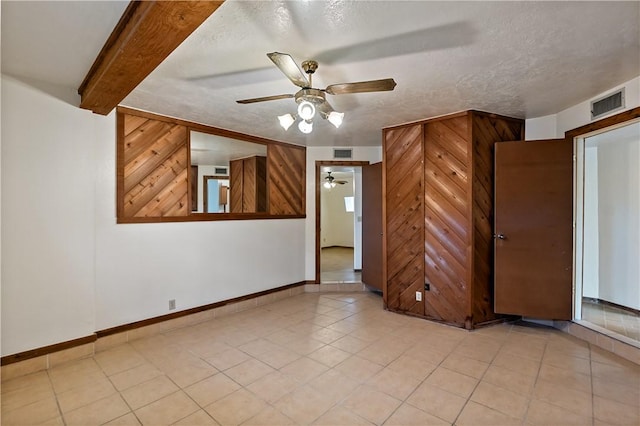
(331, 182)
(310, 99)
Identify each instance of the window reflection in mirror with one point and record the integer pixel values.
(227, 180)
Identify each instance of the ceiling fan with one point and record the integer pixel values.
(331, 182)
(310, 99)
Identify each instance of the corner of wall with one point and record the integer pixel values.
(580, 114)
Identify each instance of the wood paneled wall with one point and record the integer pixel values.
(236, 185)
(155, 181)
(404, 195)
(487, 130)
(154, 167)
(446, 217)
(248, 185)
(439, 215)
(286, 179)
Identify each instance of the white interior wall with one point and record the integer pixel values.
(69, 269)
(336, 224)
(555, 125)
(48, 232)
(540, 128)
(580, 114)
(590, 257)
(619, 222)
(357, 217)
(373, 154)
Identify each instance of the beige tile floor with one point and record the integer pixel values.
(613, 319)
(336, 266)
(334, 359)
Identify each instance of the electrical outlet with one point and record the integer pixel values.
(172, 304)
(418, 296)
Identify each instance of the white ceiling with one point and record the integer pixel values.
(523, 59)
(216, 150)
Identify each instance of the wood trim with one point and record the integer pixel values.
(45, 350)
(427, 120)
(34, 353)
(205, 197)
(197, 309)
(384, 220)
(120, 136)
(318, 186)
(470, 252)
(204, 217)
(454, 115)
(189, 176)
(146, 34)
(603, 123)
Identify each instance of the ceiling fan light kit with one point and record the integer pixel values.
(309, 99)
(306, 110)
(305, 126)
(286, 120)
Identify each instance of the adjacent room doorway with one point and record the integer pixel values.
(607, 238)
(339, 221)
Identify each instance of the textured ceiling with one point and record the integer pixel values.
(523, 59)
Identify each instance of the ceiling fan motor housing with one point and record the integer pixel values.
(309, 66)
(315, 96)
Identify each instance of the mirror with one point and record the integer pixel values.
(167, 169)
(228, 175)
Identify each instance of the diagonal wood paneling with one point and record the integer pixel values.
(248, 180)
(439, 213)
(447, 218)
(286, 177)
(236, 185)
(404, 199)
(154, 168)
(487, 130)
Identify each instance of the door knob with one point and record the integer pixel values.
(499, 236)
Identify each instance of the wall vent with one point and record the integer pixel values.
(609, 103)
(221, 171)
(342, 153)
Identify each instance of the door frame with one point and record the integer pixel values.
(318, 185)
(205, 189)
(576, 138)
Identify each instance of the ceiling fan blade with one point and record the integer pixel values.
(289, 68)
(361, 86)
(325, 108)
(266, 98)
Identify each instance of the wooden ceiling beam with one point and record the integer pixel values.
(146, 34)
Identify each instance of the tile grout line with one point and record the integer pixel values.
(535, 382)
(55, 395)
(480, 380)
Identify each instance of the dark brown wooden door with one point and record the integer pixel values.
(533, 229)
(372, 225)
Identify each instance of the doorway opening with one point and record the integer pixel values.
(339, 221)
(215, 194)
(607, 238)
